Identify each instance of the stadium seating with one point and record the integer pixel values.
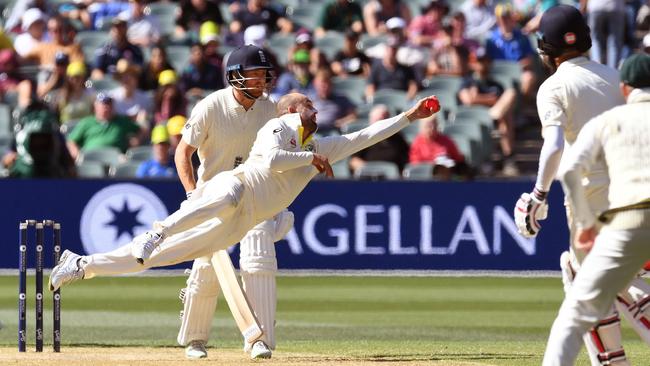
(330, 44)
(5, 121)
(165, 12)
(104, 85)
(341, 169)
(352, 87)
(354, 126)
(475, 132)
(377, 170)
(105, 155)
(395, 100)
(124, 170)
(410, 132)
(178, 56)
(508, 73)
(418, 171)
(280, 45)
(366, 41)
(306, 14)
(450, 83)
(139, 153)
(90, 41)
(91, 169)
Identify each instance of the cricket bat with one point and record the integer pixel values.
(237, 301)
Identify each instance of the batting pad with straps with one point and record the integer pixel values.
(199, 300)
(634, 304)
(258, 267)
(603, 341)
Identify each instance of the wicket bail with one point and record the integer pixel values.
(22, 285)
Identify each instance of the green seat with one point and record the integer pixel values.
(6, 129)
(280, 44)
(90, 41)
(476, 132)
(477, 113)
(125, 170)
(449, 83)
(178, 56)
(139, 153)
(468, 147)
(367, 41)
(395, 100)
(410, 132)
(104, 85)
(418, 171)
(354, 126)
(378, 170)
(91, 169)
(353, 87)
(330, 43)
(106, 155)
(507, 73)
(165, 13)
(306, 15)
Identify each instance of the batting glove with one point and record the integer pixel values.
(530, 208)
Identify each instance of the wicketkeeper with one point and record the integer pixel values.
(577, 91)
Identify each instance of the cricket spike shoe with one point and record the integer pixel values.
(260, 350)
(196, 349)
(66, 271)
(144, 244)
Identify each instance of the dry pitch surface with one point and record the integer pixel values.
(122, 356)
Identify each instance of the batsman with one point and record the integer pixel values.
(577, 91)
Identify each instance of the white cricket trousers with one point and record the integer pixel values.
(620, 251)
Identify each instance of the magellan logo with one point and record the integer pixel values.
(117, 213)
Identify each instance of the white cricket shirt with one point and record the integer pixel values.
(223, 131)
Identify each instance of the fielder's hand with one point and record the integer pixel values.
(585, 239)
(423, 108)
(529, 209)
(323, 165)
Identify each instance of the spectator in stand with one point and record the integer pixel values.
(9, 76)
(73, 101)
(158, 63)
(305, 41)
(351, 60)
(44, 53)
(170, 100)
(387, 73)
(480, 89)
(258, 12)
(103, 129)
(52, 79)
(33, 26)
(175, 129)
(100, 13)
(447, 58)
(107, 56)
(297, 78)
(506, 42)
(431, 146)
(458, 25)
(480, 19)
(425, 28)
(334, 110)
(143, 30)
(340, 16)
(394, 149)
(377, 12)
(161, 164)
(127, 99)
(199, 76)
(209, 38)
(193, 13)
(606, 19)
(407, 54)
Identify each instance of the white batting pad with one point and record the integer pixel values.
(634, 304)
(200, 301)
(258, 269)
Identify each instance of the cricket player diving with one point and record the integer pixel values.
(282, 161)
(577, 91)
(619, 137)
(222, 129)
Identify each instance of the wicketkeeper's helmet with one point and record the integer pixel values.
(248, 58)
(562, 28)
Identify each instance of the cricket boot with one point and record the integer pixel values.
(66, 271)
(196, 349)
(144, 244)
(260, 350)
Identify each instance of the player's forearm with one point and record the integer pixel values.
(549, 157)
(282, 160)
(575, 192)
(185, 171)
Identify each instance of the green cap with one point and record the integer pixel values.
(635, 71)
(301, 57)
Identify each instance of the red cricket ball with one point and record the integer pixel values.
(432, 104)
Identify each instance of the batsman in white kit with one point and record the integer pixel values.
(282, 161)
(578, 90)
(222, 129)
(619, 137)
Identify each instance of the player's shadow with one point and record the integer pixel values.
(483, 356)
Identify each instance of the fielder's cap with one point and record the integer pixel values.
(104, 98)
(635, 71)
(167, 77)
(563, 26)
(395, 23)
(61, 58)
(175, 125)
(248, 57)
(76, 68)
(255, 35)
(301, 57)
(159, 135)
(30, 17)
(209, 32)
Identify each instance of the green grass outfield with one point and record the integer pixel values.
(483, 321)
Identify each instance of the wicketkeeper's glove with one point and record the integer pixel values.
(530, 208)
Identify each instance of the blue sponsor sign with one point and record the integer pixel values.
(339, 224)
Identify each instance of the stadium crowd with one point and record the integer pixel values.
(98, 88)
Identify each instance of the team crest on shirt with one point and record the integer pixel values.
(292, 142)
